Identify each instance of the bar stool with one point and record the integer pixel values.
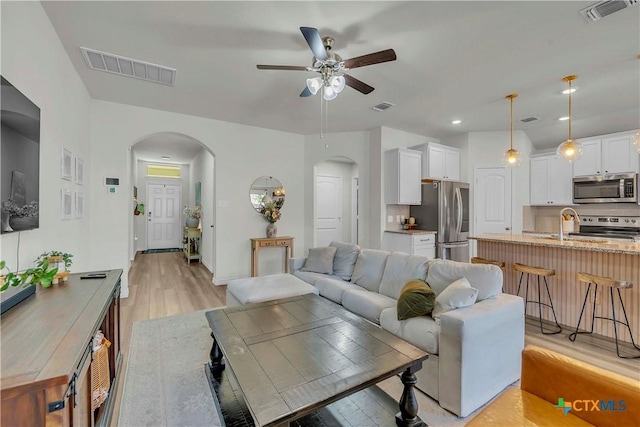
(478, 260)
(538, 272)
(611, 284)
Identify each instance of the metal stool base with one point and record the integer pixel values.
(539, 302)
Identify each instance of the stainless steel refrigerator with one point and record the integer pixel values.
(445, 209)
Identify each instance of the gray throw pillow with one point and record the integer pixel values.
(369, 268)
(345, 259)
(320, 260)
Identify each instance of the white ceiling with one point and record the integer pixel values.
(179, 148)
(456, 60)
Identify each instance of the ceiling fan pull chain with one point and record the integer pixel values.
(321, 115)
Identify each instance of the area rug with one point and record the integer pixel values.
(165, 384)
(160, 251)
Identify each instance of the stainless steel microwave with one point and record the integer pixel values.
(620, 188)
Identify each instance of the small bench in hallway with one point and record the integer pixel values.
(266, 288)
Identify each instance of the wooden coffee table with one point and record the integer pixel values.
(293, 356)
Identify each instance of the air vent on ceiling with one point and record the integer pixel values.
(529, 119)
(605, 8)
(128, 67)
(382, 106)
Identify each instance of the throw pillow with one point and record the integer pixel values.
(345, 259)
(459, 294)
(416, 299)
(320, 260)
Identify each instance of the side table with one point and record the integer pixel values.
(191, 243)
(257, 243)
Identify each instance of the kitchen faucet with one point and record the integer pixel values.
(575, 219)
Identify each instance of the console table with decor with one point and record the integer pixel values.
(191, 238)
(257, 243)
(48, 366)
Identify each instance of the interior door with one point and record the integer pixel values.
(163, 216)
(492, 199)
(328, 209)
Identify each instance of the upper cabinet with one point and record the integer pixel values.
(608, 154)
(403, 170)
(439, 161)
(550, 182)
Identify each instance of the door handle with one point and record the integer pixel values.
(507, 228)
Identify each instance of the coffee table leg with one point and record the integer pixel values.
(408, 415)
(217, 365)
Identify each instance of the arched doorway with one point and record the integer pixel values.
(335, 202)
(190, 171)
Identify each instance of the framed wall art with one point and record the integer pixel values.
(79, 171)
(65, 164)
(66, 203)
(79, 204)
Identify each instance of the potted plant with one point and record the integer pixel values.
(61, 261)
(193, 216)
(40, 274)
(19, 217)
(271, 213)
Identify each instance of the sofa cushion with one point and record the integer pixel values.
(333, 288)
(366, 304)
(416, 299)
(423, 331)
(320, 260)
(459, 294)
(487, 279)
(369, 268)
(345, 259)
(311, 277)
(400, 269)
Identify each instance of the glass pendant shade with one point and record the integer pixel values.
(337, 83)
(570, 150)
(328, 93)
(314, 85)
(511, 158)
(636, 141)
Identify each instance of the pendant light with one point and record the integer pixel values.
(511, 157)
(570, 150)
(636, 141)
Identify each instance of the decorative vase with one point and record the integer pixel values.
(22, 223)
(192, 222)
(272, 230)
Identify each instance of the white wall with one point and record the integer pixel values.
(35, 62)
(242, 154)
(346, 172)
(202, 170)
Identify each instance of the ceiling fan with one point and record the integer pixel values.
(332, 67)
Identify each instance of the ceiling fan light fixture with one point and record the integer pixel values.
(337, 83)
(328, 93)
(314, 85)
(570, 150)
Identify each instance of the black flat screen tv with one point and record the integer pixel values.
(19, 161)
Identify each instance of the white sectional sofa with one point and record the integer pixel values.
(475, 352)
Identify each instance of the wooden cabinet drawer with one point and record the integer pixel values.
(267, 243)
(282, 242)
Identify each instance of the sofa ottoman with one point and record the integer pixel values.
(266, 288)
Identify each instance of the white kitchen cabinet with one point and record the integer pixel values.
(414, 244)
(439, 161)
(607, 154)
(550, 181)
(403, 170)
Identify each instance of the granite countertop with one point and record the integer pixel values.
(545, 239)
(410, 231)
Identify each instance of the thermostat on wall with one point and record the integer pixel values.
(112, 190)
(112, 181)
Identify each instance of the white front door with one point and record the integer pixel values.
(163, 216)
(328, 210)
(492, 199)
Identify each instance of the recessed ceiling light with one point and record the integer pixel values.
(566, 91)
(165, 157)
(562, 119)
(456, 122)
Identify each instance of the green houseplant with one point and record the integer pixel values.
(62, 256)
(41, 273)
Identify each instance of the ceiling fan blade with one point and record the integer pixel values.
(357, 84)
(314, 40)
(370, 59)
(306, 92)
(282, 67)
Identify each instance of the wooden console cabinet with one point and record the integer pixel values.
(46, 353)
(257, 243)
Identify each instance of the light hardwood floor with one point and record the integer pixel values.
(162, 285)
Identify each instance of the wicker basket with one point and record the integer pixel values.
(100, 381)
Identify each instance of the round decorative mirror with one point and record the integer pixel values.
(266, 189)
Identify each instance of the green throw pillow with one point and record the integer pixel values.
(416, 299)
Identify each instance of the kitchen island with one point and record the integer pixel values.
(618, 259)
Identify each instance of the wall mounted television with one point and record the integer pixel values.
(19, 161)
